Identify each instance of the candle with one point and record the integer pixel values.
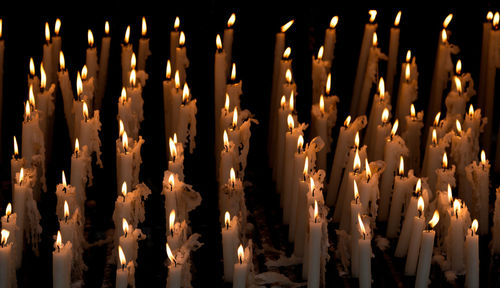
(174, 40)
(33, 79)
(365, 255)
(241, 269)
(170, 189)
(324, 116)
(126, 114)
(219, 86)
(181, 60)
(134, 91)
(362, 62)
(415, 238)
(233, 89)
(228, 39)
(381, 102)
(443, 67)
(91, 59)
(475, 122)
(125, 271)
(67, 225)
(56, 42)
(414, 125)
(15, 163)
(174, 279)
(484, 57)
(461, 153)
(61, 263)
(425, 254)
(432, 158)
(143, 46)
(89, 131)
(6, 267)
(32, 135)
(393, 54)
(81, 170)
(103, 66)
(330, 39)
(128, 241)
(47, 55)
(356, 209)
(19, 199)
(9, 223)
(126, 55)
(402, 190)
(394, 147)
(347, 188)
(299, 158)
(315, 235)
(176, 100)
(301, 219)
(125, 159)
(496, 225)
(478, 175)
(472, 256)
(230, 238)
(282, 125)
(176, 162)
(319, 69)
(67, 193)
(45, 105)
(168, 85)
(344, 142)
(67, 94)
(455, 237)
(410, 211)
(408, 93)
(186, 125)
(383, 131)
(370, 76)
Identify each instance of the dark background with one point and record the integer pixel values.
(253, 53)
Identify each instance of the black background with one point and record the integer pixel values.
(253, 53)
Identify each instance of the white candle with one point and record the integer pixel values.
(302, 213)
(174, 40)
(365, 255)
(67, 193)
(124, 271)
(299, 170)
(219, 87)
(48, 55)
(432, 158)
(415, 238)
(19, 198)
(241, 269)
(81, 170)
(496, 225)
(67, 225)
(330, 39)
(381, 102)
(314, 241)
(408, 93)
(230, 240)
(126, 114)
(15, 163)
(176, 162)
(414, 125)
(186, 125)
(32, 135)
(168, 85)
(319, 70)
(484, 57)
(228, 40)
(67, 94)
(91, 59)
(103, 66)
(174, 279)
(89, 131)
(393, 54)
(61, 263)
(56, 42)
(134, 91)
(181, 60)
(425, 254)
(233, 89)
(455, 237)
(126, 56)
(472, 256)
(128, 241)
(6, 262)
(461, 153)
(383, 131)
(143, 46)
(410, 212)
(362, 62)
(356, 209)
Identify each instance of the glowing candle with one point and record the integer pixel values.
(393, 53)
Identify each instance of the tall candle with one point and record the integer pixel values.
(241, 269)
(301, 219)
(472, 256)
(381, 102)
(91, 59)
(495, 242)
(299, 157)
(124, 270)
(143, 46)
(365, 255)
(174, 40)
(410, 212)
(319, 73)
(432, 158)
(484, 57)
(408, 93)
(181, 60)
(314, 253)
(425, 254)
(61, 263)
(9, 223)
(56, 42)
(393, 54)
(81, 169)
(67, 94)
(461, 153)
(324, 116)
(356, 209)
(6, 261)
(456, 239)
(126, 56)
(176, 162)
(230, 240)
(330, 39)
(415, 238)
(228, 40)
(168, 85)
(478, 175)
(103, 66)
(32, 135)
(15, 163)
(414, 125)
(219, 86)
(186, 125)
(362, 62)
(33, 79)
(48, 55)
(383, 130)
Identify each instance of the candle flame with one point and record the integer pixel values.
(225, 139)
(334, 22)
(127, 34)
(420, 204)
(235, 117)
(385, 115)
(496, 19)
(169, 70)
(227, 219)
(85, 72)
(47, 32)
(218, 42)
(90, 38)
(175, 138)
(357, 162)
(226, 103)
(300, 142)
(347, 121)
(471, 111)
(435, 219)
(456, 206)
(77, 146)
(79, 84)
(62, 63)
(418, 187)
(458, 68)
(381, 89)
(395, 128)
(412, 111)
(171, 219)
(291, 102)
(185, 92)
(121, 255)
(233, 72)
(459, 126)
(21, 175)
(16, 149)
(182, 39)
(444, 163)
(474, 226)
(361, 225)
(124, 189)
(328, 83)
(375, 39)
(287, 52)
(483, 157)
(444, 36)
(407, 72)
(123, 96)
(171, 181)
(5, 236)
(447, 20)
(133, 61)
(27, 112)
(173, 149)
(320, 52)
(311, 185)
(8, 210)
(290, 122)
(232, 176)
(66, 209)
(170, 255)
(59, 239)
(285, 27)
(356, 192)
(241, 253)
(106, 28)
(489, 16)
(401, 166)
(124, 226)
(132, 78)
(434, 136)
(322, 104)
(177, 23)
(125, 141)
(373, 15)
(398, 18)
(231, 20)
(43, 77)
(316, 212)
(85, 111)
(288, 76)
(144, 27)
(32, 67)
(436, 119)
(458, 83)
(408, 56)
(368, 171)
(306, 166)
(177, 80)
(356, 140)
(57, 26)
(450, 194)
(64, 179)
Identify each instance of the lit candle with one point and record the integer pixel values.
(230, 239)
(6, 262)
(186, 125)
(381, 102)
(61, 263)
(67, 94)
(365, 255)
(408, 93)
(315, 235)
(45, 105)
(143, 46)
(219, 86)
(475, 122)
(67, 193)
(324, 116)
(123, 209)
(170, 189)
(414, 125)
(91, 59)
(78, 105)
(174, 279)
(126, 55)
(176, 162)
(484, 57)
(174, 40)
(363, 60)
(432, 158)
(456, 239)
(496, 225)
(383, 131)
(393, 54)
(283, 111)
(9, 223)
(478, 175)
(320, 70)
(33, 79)
(89, 132)
(134, 91)
(81, 170)
(228, 39)
(103, 66)
(128, 240)
(124, 164)
(356, 209)
(299, 157)
(126, 114)
(330, 39)
(425, 254)
(347, 187)
(168, 85)
(32, 135)
(233, 89)
(56, 42)
(15, 163)
(301, 219)
(415, 238)
(472, 256)
(410, 212)
(181, 60)
(124, 271)
(47, 56)
(461, 153)
(19, 199)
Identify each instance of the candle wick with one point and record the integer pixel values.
(364, 236)
(175, 263)
(65, 219)
(126, 234)
(8, 216)
(227, 225)
(172, 232)
(123, 267)
(58, 248)
(241, 260)
(123, 199)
